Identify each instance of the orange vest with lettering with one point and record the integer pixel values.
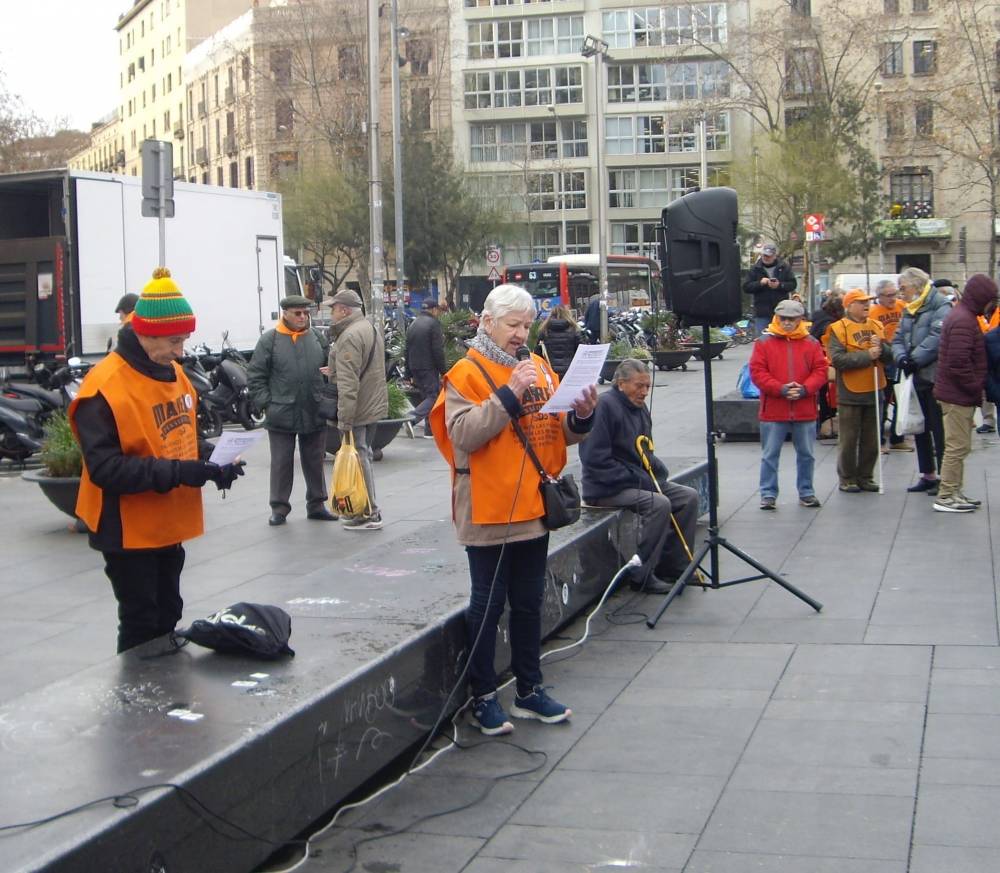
(890, 317)
(153, 419)
(496, 467)
(855, 336)
(994, 321)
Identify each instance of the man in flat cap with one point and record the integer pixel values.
(769, 281)
(357, 368)
(285, 381)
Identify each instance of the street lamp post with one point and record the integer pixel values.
(596, 48)
(397, 162)
(376, 253)
(562, 191)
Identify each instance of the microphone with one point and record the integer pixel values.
(531, 392)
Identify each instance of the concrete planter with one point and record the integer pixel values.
(385, 434)
(61, 492)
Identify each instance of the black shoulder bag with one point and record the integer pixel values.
(560, 496)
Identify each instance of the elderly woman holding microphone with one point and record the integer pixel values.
(496, 505)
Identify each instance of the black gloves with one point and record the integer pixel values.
(227, 474)
(197, 473)
(908, 366)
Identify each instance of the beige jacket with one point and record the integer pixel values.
(471, 426)
(361, 397)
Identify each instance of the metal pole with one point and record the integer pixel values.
(375, 182)
(397, 167)
(161, 212)
(602, 243)
(703, 151)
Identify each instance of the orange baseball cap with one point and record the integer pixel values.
(856, 294)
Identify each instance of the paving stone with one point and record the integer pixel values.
(861, 660)
(957, 815)
(594, 847)
(793, 823)
(953, 859)
(974, 631)
(960, 771)
(740, 862)
(822, 628)
(410, 852)
(497, 865)
(664, 803)
(851, 687)
(834, 779)
(967, 657)
(980, 699)
(962, 736)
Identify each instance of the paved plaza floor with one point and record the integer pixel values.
(744, 733)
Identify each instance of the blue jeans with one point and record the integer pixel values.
(760, 323)
(521, 582)
(772, 437)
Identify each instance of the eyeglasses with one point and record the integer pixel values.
(789, 317)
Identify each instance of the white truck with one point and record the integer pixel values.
(73, 242)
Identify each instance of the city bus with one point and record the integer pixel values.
(572, 281)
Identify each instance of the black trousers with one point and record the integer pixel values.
(147, 586)
(930, 443)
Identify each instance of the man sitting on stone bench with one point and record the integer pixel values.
(615, 475)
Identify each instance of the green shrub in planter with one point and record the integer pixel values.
(60, 452)
(621, 349)
(399, 403)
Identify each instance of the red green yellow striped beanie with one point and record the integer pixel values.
(161, 309)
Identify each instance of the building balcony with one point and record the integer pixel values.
(202, 109)
(201, 156)
(917, 228)
(230, 145)
(230, 96)
(178, 131)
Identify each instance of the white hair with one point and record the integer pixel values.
(507, 298)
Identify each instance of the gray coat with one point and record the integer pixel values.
(918, 336)
(285, 381)
(357, 368)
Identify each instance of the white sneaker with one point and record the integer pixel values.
(364, 522)
(955, 503)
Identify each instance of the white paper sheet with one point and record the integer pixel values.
(232, 444)
(583, 371)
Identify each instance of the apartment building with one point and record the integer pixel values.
(281, 90)
(529, 89)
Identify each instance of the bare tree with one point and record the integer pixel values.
(18, 126)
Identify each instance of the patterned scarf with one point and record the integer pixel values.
(483, 343)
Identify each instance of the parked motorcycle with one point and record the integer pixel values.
(209, 411)
(228, 372)
(25, 407)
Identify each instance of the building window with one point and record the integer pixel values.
(892, 59)
(481, 41)
(802, 7)
(621, 189)
(245, 69)
(284, 117)
(543, 143)
(682, 81)
(574, 138)
(544, 240)
(891, 7)
(924, 57)
(683, 24)
(634, 238)
(284, 164)
(478, 94)
(507, 88)
(281, 66)
(418, 55)
(420, 108)
(248, 172)
(574, 189)
(538, 87)
(569, 35)
(541, 37)
(911, 192)
(895, 125)
(569, 85)
(541, 192)
(652, 135)
(219, 176)
(618, 136)
(234, 175)
(577, 239)
(510, 39)
(921, 6)
(924, 111)
(349, 66)
(801, 71)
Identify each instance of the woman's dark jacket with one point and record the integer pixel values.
(609, 457)
(561, 340)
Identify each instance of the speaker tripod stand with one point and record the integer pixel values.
(714, 541)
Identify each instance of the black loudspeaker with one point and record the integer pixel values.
(700, 257)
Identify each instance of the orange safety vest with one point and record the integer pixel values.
(994, 321)
(496, 467)
(155, 419)
(889, 316)
(855, 336)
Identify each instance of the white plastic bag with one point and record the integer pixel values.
(909, 416)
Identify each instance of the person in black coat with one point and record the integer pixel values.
(769, 282)
(425, 360)
(558, 339)
(615, 476)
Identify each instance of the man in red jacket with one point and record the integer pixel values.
(789, 368)
(958, 387)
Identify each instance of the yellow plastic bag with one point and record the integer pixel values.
(347, 484)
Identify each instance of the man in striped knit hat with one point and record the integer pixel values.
(135, 418)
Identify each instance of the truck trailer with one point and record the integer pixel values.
(73, 242)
